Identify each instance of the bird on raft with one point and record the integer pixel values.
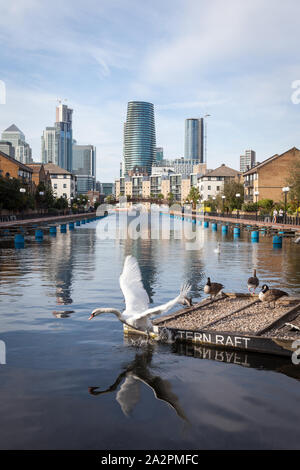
(212, 288)
(137, 313)
(270, 295)
(253, 282)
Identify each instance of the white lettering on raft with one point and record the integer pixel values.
(225, 340)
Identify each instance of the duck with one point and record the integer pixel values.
(253, 282)
(137, 313)
(212, 288)
(271, 295)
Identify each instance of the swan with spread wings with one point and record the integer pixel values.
(137, 313)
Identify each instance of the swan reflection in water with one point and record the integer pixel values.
(135, 374)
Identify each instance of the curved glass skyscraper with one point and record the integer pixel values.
(139, 137)
(194, 139)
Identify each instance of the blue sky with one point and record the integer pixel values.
(233, 59)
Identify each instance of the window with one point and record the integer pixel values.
(209, 188)
(55, 186)
(218, 188)
(64, 185)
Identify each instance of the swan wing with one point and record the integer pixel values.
(185, 289)
(136, 297)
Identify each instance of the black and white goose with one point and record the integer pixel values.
(271, 295)
(212, 288)
(253, 282)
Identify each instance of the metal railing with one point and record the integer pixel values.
(288, 220)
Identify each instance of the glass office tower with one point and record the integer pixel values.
(194, 140)
(139, 137)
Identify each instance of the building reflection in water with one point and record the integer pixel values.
(138, 373)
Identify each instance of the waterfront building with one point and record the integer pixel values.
(247, 161)
(211, 183)
(162, 170)
(107, 189)
(194, 140)
(84, 166)
(269, 177)
(63, 182)
(22, 150)
(39, 174)
(12, 168)
(139, 137)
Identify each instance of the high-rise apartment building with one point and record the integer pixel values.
(84, 167)
(139, 137)
(247, 161)
(194, 140)
(159, 151)
(22, 150)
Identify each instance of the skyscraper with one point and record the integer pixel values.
(50, 142)
(63, 125)
(57, 141)
(139, 137)
(23, 152)
(159, 154)
(247, 161)
(194, 140)
(84, 166)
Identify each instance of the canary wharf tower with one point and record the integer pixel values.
(139, 138)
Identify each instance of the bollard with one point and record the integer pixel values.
(224, 229)
(19, 241)
(71, 225)
(206, 224)
(77, 223)
(39, 235)
(214, 227)
(199, 223)
(255, 236)
(236, 231)
(277, 241)
(63, 228)
(52, 229)
(83, 222)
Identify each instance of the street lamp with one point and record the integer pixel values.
(22, 190)
(256, 194)
(285, 190)
(238, 196)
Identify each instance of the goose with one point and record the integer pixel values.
(218, 249)
(253, 282)
(270, 295)
(137, 313)
(212, 288)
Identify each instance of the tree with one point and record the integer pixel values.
(47, 199)
(193, 196)
(231, 188)
(110, 199)
(61, 203)
(11, 198)
(170, 198)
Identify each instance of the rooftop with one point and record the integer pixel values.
(13, 128)
(55, 169)
(268, 160)
(16, 162)
(223, 170)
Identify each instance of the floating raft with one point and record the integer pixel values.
(234, 321)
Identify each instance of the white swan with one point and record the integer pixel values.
(137, 313)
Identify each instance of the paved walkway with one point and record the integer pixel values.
(246, 222)
(56, 218)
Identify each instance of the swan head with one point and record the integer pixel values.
(96, 312)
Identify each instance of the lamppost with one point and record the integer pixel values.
(256, 194)
(285, 190)
(238, 212)
(23, 191)
(41, 193)
(223, 202)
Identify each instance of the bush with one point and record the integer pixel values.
(250, 207)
